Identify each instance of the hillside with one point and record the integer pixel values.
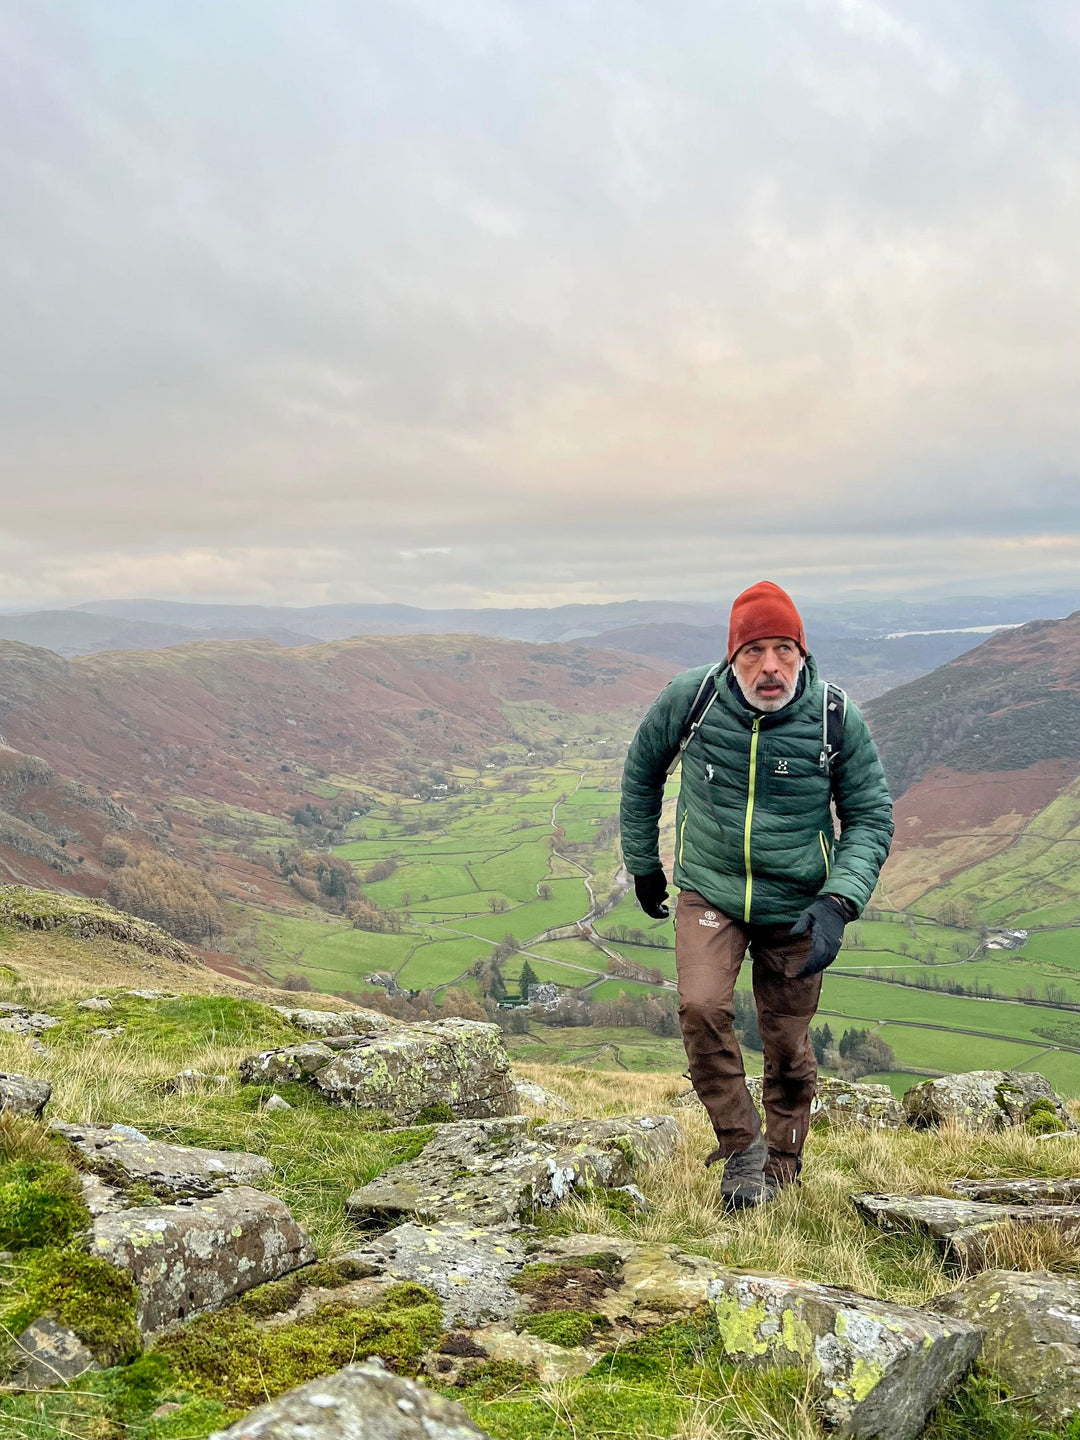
(635, 1313)
(133, 740)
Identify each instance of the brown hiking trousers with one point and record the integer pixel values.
(709, 951)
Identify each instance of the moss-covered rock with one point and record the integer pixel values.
(230, 1357)
(1031, 1334)
(881, 1368)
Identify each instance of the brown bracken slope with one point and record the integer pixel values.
(978, 747)
(123, 734)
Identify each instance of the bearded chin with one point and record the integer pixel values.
(766, 705)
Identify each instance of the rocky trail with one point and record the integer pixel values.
(457, 1279)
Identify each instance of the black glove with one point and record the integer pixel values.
(825, 920)
(651, 892)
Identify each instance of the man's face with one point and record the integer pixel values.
(768, 672)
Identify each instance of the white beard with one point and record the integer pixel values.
(767, 707)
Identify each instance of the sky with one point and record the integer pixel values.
(480, 302)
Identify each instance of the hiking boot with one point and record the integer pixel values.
(745, 1183)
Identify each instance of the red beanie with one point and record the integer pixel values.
(762, 613)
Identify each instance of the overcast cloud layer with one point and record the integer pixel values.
(465, 302)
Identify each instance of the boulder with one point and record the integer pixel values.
(277, 1103)
(469, 1268)
(1021, 1192)
(290, 1062)
(171, 1171)
(962, 1228)
(881, 1368)
(1030, 1323)
(359, 1402)
(95, 1002)
(837, 1102)
(189, 1258)
(985, 1100)
(24, 1095)
(496, 1173)
(458, 1063)
(330, 1022)
(47, 1353)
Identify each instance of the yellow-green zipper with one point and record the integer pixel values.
(750, 820)
(824, 852)
(682, 837)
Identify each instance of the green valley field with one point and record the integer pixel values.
(513, 857)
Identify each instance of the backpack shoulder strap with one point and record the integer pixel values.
(703, 700)
(833, 714)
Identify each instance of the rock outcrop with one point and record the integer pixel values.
(882, 1368)
(838, 1102)
(172, 1172)
(360, 1402)
(987, 1100)
(24, 1095)
(189, 1258)
(496, 1173)
(18, 1020)
(457, 1063)
(962, 1228)
(459, 1066)
(1030, 1323)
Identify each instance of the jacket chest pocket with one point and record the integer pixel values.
(786, 776)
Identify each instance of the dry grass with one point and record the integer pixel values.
(37, 967)
(813, 1231)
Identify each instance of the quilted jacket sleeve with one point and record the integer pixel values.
(865, 811)
(651, 752)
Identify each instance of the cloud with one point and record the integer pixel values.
(295, 300)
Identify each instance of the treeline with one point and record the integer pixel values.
(155, 888)
(855, 1054)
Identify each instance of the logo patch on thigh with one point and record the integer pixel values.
(709, 920)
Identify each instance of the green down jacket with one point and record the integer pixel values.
(753, 830)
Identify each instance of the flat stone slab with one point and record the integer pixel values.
(359, 1402)
(24, 1095)
(467, 1266)
(458, 1063)
(332, 1022)
(171, 1171)
(881, 1368)
(961, 1227)
(1030, 1323)
(651, 1284)
(1021, 1192)
(189, 1258)
(495, 1173)
(982, 1100)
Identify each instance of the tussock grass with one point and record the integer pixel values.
(813, 1231)
(320, 1153)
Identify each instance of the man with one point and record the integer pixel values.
(757, 865)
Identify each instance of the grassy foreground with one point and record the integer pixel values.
(670, 1384)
